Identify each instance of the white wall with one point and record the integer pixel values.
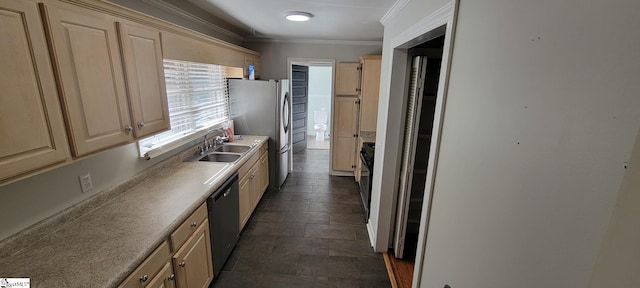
(28, 201)
(542, 112)
(320, 81)
(273, 62)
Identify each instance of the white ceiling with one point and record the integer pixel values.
(334, 20)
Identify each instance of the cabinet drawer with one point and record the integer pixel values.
(149, 268)
(187, 228)
(244, 170)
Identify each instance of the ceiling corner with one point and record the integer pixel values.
(393, 11)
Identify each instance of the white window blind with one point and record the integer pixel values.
(198, 99)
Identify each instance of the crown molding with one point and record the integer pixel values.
(193, 18)
(393, 11)
(314, 41)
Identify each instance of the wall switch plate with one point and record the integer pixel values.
(85, 182)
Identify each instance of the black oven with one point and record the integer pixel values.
(366, 173)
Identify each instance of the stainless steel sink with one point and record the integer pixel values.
(219, 157)
(233, 148)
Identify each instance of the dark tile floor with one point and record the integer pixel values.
(311, 233)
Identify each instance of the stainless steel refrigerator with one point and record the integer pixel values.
(263, 107)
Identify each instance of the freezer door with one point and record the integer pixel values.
(283, 167)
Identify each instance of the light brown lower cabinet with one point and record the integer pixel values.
(192, 263)
(254, 181)
(164, 279)
(345, 133)
(151, 269)
(190, 266)
(261, 179)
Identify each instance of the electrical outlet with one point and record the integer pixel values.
(85, 182)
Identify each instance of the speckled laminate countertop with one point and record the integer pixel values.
(103, 246)
(368, 136)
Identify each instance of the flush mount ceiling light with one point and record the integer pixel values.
(298, 16)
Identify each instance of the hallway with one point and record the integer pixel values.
(311, 233)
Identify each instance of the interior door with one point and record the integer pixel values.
(299, 101)
(415, 157)
(418, 69)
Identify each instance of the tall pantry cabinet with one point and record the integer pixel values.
(355, 109)
(31, 125)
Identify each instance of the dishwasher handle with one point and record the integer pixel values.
(221, 194)
(226, 188)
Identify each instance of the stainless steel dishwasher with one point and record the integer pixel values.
(224, 221)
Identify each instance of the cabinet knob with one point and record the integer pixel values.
(194, 224)
(182, 264)
(140, 124)
(172, 277)
(128, 129)
(144, 278)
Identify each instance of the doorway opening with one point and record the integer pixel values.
(320, 79)
(311, 94)
(423, 79)
(426, 60)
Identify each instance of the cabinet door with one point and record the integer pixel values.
(254, 178)
(370, 91)
(193, 262)
(263, 173)
(245, 201)
(31, 126)
(90, 76)
(347, 78)
(142, 56)
(345, 133)
(164, 279)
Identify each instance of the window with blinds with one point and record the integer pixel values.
(198, 99)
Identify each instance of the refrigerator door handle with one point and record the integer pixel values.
(284, 149)
(285, 113)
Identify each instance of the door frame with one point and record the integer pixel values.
(313, 62)
(385, 178)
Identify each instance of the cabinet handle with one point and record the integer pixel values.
(140, 124)
(194, 224)
(172, 277)
(144, 278)
(182, 264)
(128, 129)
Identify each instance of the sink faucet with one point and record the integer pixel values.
(206, 145)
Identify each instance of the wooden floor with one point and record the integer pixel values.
(400, 271)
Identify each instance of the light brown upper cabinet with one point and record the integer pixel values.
(369, 92)
(32, 133)
(144, 71)
(91, 78)
(348, 78)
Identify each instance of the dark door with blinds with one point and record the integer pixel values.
(299, 101)
(425, 72)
